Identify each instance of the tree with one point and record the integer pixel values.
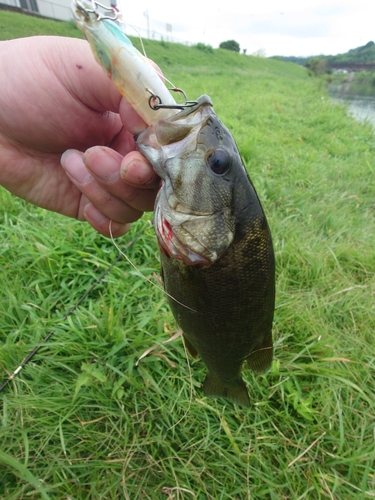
(317, 65)
(230, 45)
(259, 53)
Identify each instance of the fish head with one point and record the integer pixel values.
(202, 173)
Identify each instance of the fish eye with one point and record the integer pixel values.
(219, 161)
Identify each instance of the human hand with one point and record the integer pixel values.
(56, 97)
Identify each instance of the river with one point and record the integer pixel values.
(361, 107)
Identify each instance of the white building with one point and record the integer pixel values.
(61, 11)
(54, 9)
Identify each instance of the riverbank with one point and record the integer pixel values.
(356, 91)
(362, 108)
(360, 83)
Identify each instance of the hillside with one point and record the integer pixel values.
(360, 59)
(14, 25)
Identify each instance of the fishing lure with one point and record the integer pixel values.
(215, 244)
(132, 73)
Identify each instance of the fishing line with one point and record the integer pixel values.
(171, 339)
(140, 39)
(96, 282)
(186, 104)
(191, 386)
(142, 275)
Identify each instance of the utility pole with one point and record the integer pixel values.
(168, 29)
(148, 22)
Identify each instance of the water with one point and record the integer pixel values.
(361, 107)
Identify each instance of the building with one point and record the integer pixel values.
(61, 11)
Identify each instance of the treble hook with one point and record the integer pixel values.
(159, 105)
(83, 7)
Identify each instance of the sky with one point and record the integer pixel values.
(268, 27)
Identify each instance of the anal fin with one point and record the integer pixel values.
(236, 393)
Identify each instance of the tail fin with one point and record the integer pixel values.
(237, 394)
(260, 360)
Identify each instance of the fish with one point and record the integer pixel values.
(216, 251)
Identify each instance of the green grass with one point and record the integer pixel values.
(82, 422)
(14, 25)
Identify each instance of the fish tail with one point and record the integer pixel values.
(236, 393)
(260, 360)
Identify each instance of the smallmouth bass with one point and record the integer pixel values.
(215, 244)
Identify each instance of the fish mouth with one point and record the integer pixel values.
(172, 246)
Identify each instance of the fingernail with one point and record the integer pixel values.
(91, 212)
(72, 163)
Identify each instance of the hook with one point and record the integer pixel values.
(159, 105)
(86, 11)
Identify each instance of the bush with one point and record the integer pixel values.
(230, 45)
(204, 48)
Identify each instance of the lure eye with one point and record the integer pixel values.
(219, 161)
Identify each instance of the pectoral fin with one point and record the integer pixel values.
(190, 348)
